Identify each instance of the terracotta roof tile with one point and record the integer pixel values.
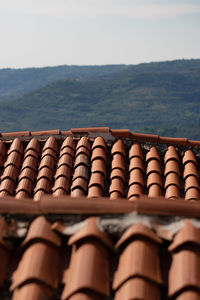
(42, 184)
(45, 132)
(98, 165)
(16, 146)
(189, 157)
(121, 133)
(188, 234)
(135, 151)
(24, 185)
(136, 176)
(172, 191)
(47, 162)
(118, 148)
(90, 129)
(137, 231)
(48, 152)
(172, 167)
(13, 159)
(192, 194)
(189, 295)
(33, 291)
(7, 185)
(33, 145)
(155, 190)
(145, 137)
(175, 141)
(99, 142)
(81, 171)
(171, 154)
(63, 171)
(29, 162)
(40, 230)
(92, 255)
(81, 159)
(184, 262)
(116, 186)
(154, 178)
(136, 163)
(80, 183)
(15, 134)
(68, 143)
(190, 169)
(138, 288)
(96, 179)
(118, 162)
(152, 154)
(172, 179)
(45, 173)
(191, 182)
(66, 160)
(98, 153)
(95, 191)
(61, 183)
(144, 263)
(117, 173)
(27, 173)
(153, 166)
(10, 172)
(38, 263)
(83, 142)
(134, 190)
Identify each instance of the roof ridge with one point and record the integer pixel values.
(105, 132)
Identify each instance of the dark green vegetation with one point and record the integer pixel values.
(161, 98)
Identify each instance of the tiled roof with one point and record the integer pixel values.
(80, 180)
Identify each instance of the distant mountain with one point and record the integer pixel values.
(161, 98)
(18, 81)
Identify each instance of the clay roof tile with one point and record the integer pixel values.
(138, 288)
(33, 145)
(189, 157)
(153, 154)
(99, 142)
(171, 154)
(38, 263)
(188, 234)
(137, 231)
(90, 229)
(40, 229)
(118, 148)
(136, 151)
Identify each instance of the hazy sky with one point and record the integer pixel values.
(84, 32)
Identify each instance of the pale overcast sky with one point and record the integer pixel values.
(35, 33)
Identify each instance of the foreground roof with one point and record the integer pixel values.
(80, 215)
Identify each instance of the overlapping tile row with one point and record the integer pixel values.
(118, 170)
(88, 275)
(79, 186)
(28, 170)
(98, 168)
(154, 173)
(11, 168)
(172, 173)
(64, 168)
(91, 167)
(46, 168)
(136, 172)
(36, 276)
(138, 275)
(190, 176)
(184, 273)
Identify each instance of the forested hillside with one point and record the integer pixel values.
(161, 98)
